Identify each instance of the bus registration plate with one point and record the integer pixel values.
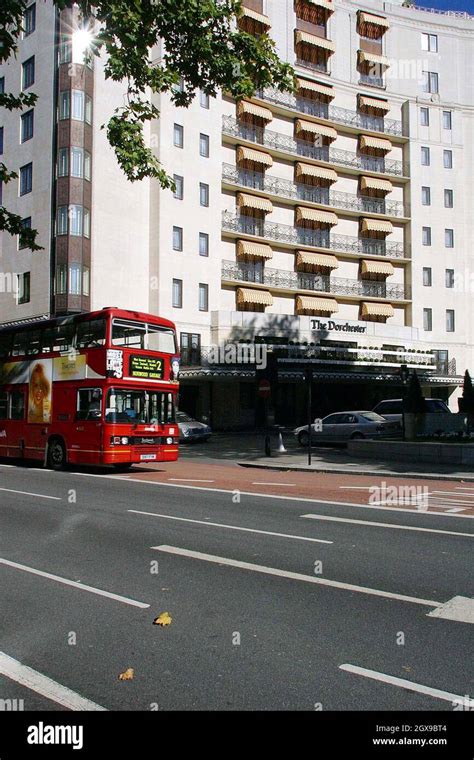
(147, 456)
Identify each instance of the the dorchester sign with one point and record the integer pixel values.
(331, 325)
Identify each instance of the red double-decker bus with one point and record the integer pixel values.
(97, 388)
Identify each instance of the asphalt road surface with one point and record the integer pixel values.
(275, 603)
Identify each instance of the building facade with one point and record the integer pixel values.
(332, 225)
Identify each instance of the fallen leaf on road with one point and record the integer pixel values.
(163, 619)
(127, 675)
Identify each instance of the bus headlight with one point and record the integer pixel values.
(117, 440)
(124, 441)
(169, 440)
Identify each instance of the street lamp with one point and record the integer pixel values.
(404, 375)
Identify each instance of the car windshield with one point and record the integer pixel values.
(436, 405)
(371, 417)
(182, 417)
(139, 406)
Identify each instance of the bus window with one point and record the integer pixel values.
(128, 334)
(161, 339)
(58, 338)
(91, 334)
(17, 405)
(89, 404)
(5, 344)
(34, 342)
(21, 341)
(3, 405)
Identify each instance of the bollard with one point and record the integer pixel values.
(268, 448)
(281, 449)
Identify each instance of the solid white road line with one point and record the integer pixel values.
(43, 685)
(386, 525)
(456, 493)
(74, 584)
(231, 527)
(191, 480)
(292, 576)
(404, 684)
(292, 485)
(28, 493)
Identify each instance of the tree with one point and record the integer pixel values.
(203, 50)
(467, 399)
(414, 402)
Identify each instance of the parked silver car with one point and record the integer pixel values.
(391, 409)
(345, 426)
(190, 429)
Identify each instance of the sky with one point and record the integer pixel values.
(448, 5)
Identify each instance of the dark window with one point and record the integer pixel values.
(26, 225)
(27, 125)
(426, 235)
(177, 294)
(450, 321)
(425, 117)
(58, 338)
(3, 405)
(427, 320)
(425, 196)
(203, 297)
(23, 281)
(90, 334)
(179, 187)
(26, 179)
(203, 99)
(190, 348)
(203, 244)
(28, 73)
(203, 194)
(449, 278)
(89, 404)
(178, 135)
(449, 238)
(5, 343)
(129, 334)
(204, 145)
(447, 120)
(17, 405)
(425, 156)
(177, 238)
(2, 85)
(448, 199)
(448, 159)
(1, 141)
(427, 282)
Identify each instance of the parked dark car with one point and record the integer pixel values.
(190, 429)
(391, 409)
(345, 426)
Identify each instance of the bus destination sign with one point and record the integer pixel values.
(146, 367)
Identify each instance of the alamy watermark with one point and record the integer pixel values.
(392, 495)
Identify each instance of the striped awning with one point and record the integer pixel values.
(374, 183)
(366, 141)
(252, 109)
(370, 18)
(257, 156)
(308, 170)
(315, 129)
(304, 214)
(375, 104)
(376, 225)
(372, 266)
(322, 260)
(374, 309)
(244, 200)
(321, 89)
(254, 296)
(314, 303)
(259, 17)
(365, 57)
(327, 4)
(253, 250)
(311, 39)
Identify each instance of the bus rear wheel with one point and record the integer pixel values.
(56, 459)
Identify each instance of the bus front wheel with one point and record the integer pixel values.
(56, 459)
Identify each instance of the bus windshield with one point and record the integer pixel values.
(147, 407)
(143, 336)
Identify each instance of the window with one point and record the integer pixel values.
(203, 99)
(26, 179)
(61, 279)
(179, 187)
(29, 20)
(178, 136)
(75, 271)
(17, 405)
(23, 287)
(448, 159)
(178, 294)
(203, 297)
(450, 327)
(427, 320)
(203, 194)
(78, 101)
(65, 49)
(87, 223)
(204, 145)
(179, 86)
(2, 85)
(177, 238)
(88, 110)
(449, 278)
(28, 73)
(429, 42)
(3, 405)
(75, 220)
(425, 196)
(449, 238)
(447, 120)
(203, 244)
(190, 348)
(80, 163)
(62, 221)
(430, 81)
(425, 117)
(78, 218)
(448, 199)
(427, 277)
(89, 404)
(27, 124)
(426, 236)
(425, 156)
(64, 105)
(86, 284)
(1, 141)
(25, 225)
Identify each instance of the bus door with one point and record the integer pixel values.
(85, 443)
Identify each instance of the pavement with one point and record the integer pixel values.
(280, 595)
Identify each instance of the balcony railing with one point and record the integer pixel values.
(305, 149)
(317, 238)
(309, 193)
(321, 67)
(331, 112)
(280, 278)
(372, 81)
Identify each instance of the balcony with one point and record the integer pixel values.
(283, 188)
(330, 112)
(320, 67)
(372, 81)
(316, 238)
(286, 280)
(240, 130)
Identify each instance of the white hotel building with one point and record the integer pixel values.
(335, 224)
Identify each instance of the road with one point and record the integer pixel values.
(281, 596)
